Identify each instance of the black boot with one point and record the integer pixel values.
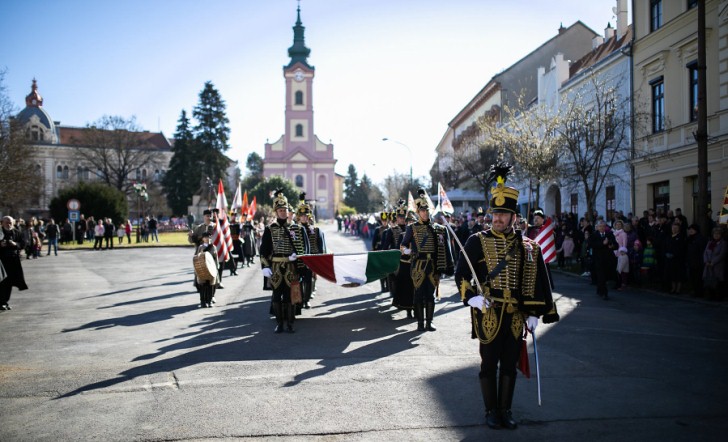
(409, 313)
(490, 398)
(430, 312)
(278, 312)
(506, 387)
(420, 315)
(291, 317)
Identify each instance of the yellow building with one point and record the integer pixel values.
(665, 54)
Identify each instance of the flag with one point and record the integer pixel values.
(443, 201)
(221, 237)
(547, 241)
(723, 219)
(411, 203)
(237, 202)
(245, 207)
(433, 210)
(353, 269)
(252, 209)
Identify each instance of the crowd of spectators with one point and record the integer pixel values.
(660, 250)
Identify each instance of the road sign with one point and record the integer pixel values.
(73, 204)
(74, 215)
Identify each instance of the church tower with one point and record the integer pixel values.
(299, 155)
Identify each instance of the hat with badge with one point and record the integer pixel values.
(421, 202)
(539, 212)
(504, 199)
(207, 212)
(279, 200)
(303, 207)
(401, 209)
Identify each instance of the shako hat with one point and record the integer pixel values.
(279, 200)
(401, 209)
(421, 202)
(539, 212)
(303, 207)
(503, 199)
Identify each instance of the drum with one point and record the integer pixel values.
(204, 265)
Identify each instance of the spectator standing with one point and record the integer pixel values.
(127, 229)
(81, 227)
(91, 228)
(11, 243)
(52, 234)
(675, 251)
(603, 245)
(623, 268)
(109, 231)
(714, 259)
(567, 250)
(152, 226)
(120, 233)
(635, 262)
(696, 248)
(98, 235)
(585, 255)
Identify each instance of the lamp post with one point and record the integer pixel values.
(141, 191)
(408, 150)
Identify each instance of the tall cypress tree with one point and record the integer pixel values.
(212, 132)
(182, 179)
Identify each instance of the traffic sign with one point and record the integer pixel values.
(74, 215)
(73, 204)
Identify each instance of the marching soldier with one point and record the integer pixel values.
(400, 282)
(428, 244)
(513, 278)
(377, 243)
(206, 287)
(235, 234)
(316, 245)
(479, 225)
(249, 241)
(282, 242)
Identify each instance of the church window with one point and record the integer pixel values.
(299, 130)
(299, 98)
(299, 180)
(59, 172)
(138, 175)
(157, 175)
(79, 173)
(65, 172)
(322, 182)
(144, 175)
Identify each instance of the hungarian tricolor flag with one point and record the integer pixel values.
(353, 269)
(547, 241)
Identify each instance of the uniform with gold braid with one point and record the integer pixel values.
(429, 245)
(520, 289)
(316, 245)
(400, 282)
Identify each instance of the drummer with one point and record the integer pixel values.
(206, 286)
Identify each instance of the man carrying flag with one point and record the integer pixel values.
(221, 237)
(542, 231)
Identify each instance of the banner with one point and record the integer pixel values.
(547, 241)
(221, 237)
(237, 202)
(353, 269)
(443, 201)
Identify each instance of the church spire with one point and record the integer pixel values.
(298, 52)
(34, 99)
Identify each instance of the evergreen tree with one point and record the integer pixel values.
(212, 133)
(182, 179)
(97, 199)
(255, 171)
(351, 184)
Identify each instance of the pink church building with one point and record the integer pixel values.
(299, 155)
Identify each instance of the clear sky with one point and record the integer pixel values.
(400, 69)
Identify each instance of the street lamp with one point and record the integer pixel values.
(408, 150)
(141, 191)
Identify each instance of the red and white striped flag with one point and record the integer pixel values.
(547, 241)
(221, 237)
(237, 201)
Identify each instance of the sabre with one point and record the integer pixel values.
(538, 373)
(465, 255)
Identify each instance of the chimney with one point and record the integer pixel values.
(608, 32)
(562, 29)
(597, 41)
(621, 12)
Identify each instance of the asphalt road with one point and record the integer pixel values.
(110, 345)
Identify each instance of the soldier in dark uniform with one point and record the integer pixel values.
(11, 243)
(248, 239)
(513, 279)
(282, 242)
(383, 224)
(400, 282)
(479, 225)
(235, 234)
(428, 244)
(316, 245)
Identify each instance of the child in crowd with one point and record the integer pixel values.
(623, 267)
(635, 261)
(567, 250)
(648, 260)
(120, 232)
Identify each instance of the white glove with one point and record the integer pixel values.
(477, 302)
(267, 272)
(293, 257)
(407, 251)
(532, 323)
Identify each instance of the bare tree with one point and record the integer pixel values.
(116, 148)
(595, 137)
(528, 139)
(21, 182)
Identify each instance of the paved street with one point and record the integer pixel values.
(110, 345)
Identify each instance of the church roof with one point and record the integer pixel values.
(72, 136)
(299, 52)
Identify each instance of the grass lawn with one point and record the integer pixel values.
(166, 239)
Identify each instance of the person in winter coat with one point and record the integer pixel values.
(11, 243)
(714, 258)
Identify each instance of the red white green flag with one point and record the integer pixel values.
(353, 269)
